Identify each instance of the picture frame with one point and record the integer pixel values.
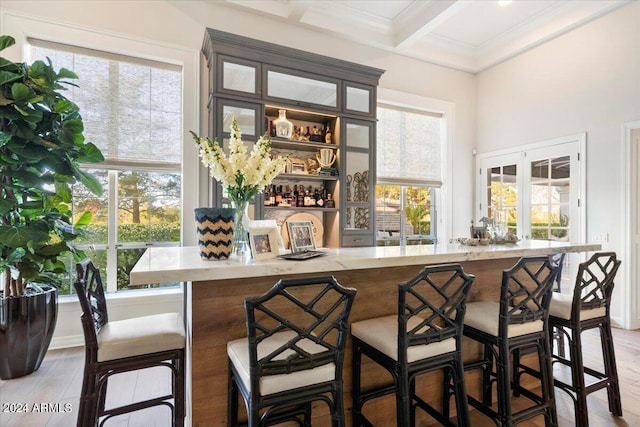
(264, 243)
(301, 236)
(298, 166)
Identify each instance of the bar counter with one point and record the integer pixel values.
(215, 293)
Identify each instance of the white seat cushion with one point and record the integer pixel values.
(561, 307)
(484, 316)
(140, 335)
(382, 333)
(238, 352)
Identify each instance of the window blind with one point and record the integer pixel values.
(408, 147)
(131, 107)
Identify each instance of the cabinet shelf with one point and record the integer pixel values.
(306, 177)
(300, 209)
(300, 145)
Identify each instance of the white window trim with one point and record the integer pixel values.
(447, 110)
(22, 27)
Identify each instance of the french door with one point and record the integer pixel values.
(537, 190)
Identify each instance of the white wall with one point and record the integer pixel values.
(181, 24)
(587, 80)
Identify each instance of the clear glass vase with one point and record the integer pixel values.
(240, 241)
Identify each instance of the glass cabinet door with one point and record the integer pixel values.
(248, 116)
(358, 191)
(236, 75)
(305, 90)
(359, 99)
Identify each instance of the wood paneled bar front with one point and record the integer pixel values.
(215, 292)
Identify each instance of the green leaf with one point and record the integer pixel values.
(85, 219)
(62, 106)
(55, 249)
(20, 92)
(8, 77)
(66, 74)
(91, 183)
(89, 153)
(16, 255)
(6, 41)
(63, 192)
(73, 125)
(16, 237)
(5, 206)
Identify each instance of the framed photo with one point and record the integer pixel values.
(264, 242)
(298, 166)
(301, 236)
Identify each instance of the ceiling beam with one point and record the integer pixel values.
(421, 18)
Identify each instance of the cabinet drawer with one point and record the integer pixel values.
(357, 240)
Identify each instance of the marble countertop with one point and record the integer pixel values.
(181, 264)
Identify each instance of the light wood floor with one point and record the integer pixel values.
(59, 379)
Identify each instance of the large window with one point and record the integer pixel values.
(409, 160)
(132, 110)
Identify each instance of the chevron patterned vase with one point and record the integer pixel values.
(215, 230)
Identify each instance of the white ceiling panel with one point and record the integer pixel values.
(469, 35)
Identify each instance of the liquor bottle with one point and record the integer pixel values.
(307, 199)
(272, 196)
(307, 135)
(316, 197)
(279, 195)
(327, 136)
(267, 196)
(300, 198)
(294, 197)
(330, 202)
(286, 197)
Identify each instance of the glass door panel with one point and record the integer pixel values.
(245, 117)
(307, 90)
(238, 77)
(358, 99)
(550, 198)
(502, 196)
(358, 136)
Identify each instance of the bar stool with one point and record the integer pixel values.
(424, 336)
(518, 321)
(114, 347)
(293, 354)
(588, 308)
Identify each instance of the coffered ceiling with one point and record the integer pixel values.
(469, 35)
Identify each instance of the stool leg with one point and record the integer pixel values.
(232, 399)
(448, 381)
(403, 399)
(486, 376)
(462, 405)
(179, 391)
(504, 384)
(577, 377)
(355, 384)
(337, 418)
(610, 369)
(87, 409)
(546, 378)
(515, 371)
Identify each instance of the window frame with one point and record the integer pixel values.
(443, 198)
(193, 176)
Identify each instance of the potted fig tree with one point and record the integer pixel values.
(41, 149)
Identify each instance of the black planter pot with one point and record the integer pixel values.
(26, 328)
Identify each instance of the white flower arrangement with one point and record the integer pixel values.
(243, 175)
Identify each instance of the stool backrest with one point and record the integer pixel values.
(90, 292)
(526, 290)
(313, 311)
(595, 281)
(558, 259)
(431, 306)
